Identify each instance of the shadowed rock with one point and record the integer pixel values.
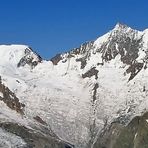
(34, 139)
(134, 135)
(10, 99)
(55, 60)
(92, 72)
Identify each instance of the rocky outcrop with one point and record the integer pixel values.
(134, 135)
(56, 59)
(40, 120)
(34, 139)
(10, 99)
(83, 50)
(92, 72)
(123, 41)
(30, 58)
(95, 91)
(134, 69)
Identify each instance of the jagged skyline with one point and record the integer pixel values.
(78, 95)
(51, 27)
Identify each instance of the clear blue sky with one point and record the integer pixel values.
(54, 26)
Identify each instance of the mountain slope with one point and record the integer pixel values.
(134, 135)
(78, 94)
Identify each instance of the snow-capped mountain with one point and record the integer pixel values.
(76, 96)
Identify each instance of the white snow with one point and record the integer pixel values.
(141, 56)
(101, 40)
(11, 54)
(145, 39)
(135, 136)
(1, 94)
(63, 99)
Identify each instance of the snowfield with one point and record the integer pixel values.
(64, 100)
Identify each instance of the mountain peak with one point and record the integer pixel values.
(18, 55)
(120, 26)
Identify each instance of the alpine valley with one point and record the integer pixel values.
(94, 96)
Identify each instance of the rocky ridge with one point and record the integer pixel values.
(89, 97)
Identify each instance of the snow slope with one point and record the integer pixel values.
(77, 103)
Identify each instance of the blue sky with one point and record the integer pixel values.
(55, 26)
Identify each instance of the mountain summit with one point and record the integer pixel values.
(89, 97)
(120, 26)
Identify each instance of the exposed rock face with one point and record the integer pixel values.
(122, 40)
(92, 72)
(56, 59)
(33, 139)
(134, 135)
(10, 99)
(84, 50)
(29, 58)
(39, 119)
(95, 91)
(127, 45)
(134, 69)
